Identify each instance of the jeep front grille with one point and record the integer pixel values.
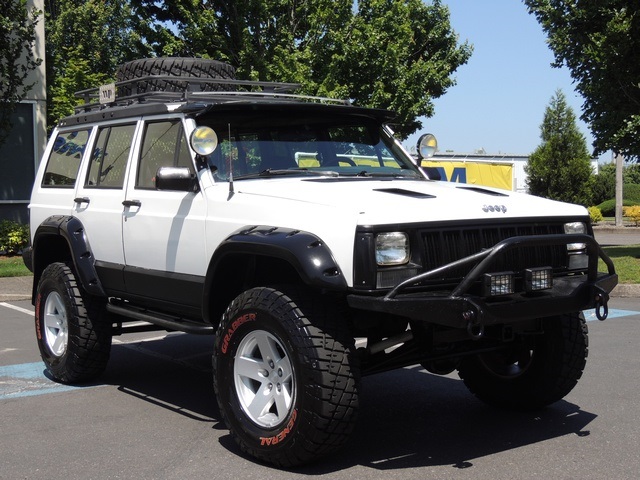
(445, 245)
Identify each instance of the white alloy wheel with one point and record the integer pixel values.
(55, 324)
(264, 379)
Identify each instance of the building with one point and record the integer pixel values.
(23, 148)
(480, 168)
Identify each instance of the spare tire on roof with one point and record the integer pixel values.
(175, 67)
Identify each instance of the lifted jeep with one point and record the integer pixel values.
(299, 232)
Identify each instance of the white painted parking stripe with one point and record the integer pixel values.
(19, 309)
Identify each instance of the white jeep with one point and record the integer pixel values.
(300, 233)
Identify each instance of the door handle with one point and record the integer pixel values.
(132, 203)
(82, 200)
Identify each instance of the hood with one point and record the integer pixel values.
(393, 201)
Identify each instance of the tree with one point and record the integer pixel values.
(604, 186)
(394, 54)
(86, 41)
(17, 60)
(560, 168)
(599, 42)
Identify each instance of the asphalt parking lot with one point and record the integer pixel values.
(153, 415)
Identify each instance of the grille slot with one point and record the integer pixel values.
(446, 245)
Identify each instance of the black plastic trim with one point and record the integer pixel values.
(72, 230)
(308, 255)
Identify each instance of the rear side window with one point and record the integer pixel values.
(64, 160)
(164, 145)
(109, 157)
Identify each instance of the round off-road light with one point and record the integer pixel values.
(203, 140)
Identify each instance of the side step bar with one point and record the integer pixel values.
(166, 322)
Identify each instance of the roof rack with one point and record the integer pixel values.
(177, 88)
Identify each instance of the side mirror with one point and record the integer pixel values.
(176, 178)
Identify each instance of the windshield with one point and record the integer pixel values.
(261, 146)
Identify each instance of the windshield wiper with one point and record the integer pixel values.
(274, 172)
(404, 174)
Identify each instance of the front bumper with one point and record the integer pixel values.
(458, 308)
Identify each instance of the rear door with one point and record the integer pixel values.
(99, 197)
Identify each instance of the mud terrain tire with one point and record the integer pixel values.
(284, 376)
(173, 66)
(72, 330)
(536, 371)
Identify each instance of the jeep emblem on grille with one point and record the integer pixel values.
(494, 208)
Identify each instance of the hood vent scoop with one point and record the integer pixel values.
(484, 191)
(405, 193)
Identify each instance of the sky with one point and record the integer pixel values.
(501, 93)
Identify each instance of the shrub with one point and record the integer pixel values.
(631, 191)
(633, 213)
(595, 214)
(13, 237)
(608, 208)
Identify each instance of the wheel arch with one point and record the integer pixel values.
(263, 255)
(62, 238)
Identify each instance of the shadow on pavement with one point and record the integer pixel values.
(408, 418)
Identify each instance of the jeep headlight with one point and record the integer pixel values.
(575, 227)
(392, 248)
(578, 258)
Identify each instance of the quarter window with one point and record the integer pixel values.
(64, 160)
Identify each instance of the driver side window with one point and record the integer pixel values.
(163, 145)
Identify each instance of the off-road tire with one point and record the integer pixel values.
(308, 339)
(72, 330)
(173, 66)
(536, 371)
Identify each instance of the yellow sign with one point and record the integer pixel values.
(499, 175)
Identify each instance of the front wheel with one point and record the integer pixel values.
(535, 370)
(74, 336)
(284, 376)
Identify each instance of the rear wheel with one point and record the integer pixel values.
(284, 376)
(73, 333)
(535, 371)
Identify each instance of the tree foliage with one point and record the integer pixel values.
(17, 59)
(86, 41)
(560, 168)
(599, 42)
(394, 54)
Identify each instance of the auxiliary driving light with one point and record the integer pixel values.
(538, 279)
(495, 284)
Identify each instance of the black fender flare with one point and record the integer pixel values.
(72, 230)
(305, 252)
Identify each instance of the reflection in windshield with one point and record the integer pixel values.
(308, 146)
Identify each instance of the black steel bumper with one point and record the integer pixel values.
(459, 309)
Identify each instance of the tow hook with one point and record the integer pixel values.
(474, 329)
(602, 307)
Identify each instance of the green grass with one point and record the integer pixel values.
(13, 267)
(626, 259)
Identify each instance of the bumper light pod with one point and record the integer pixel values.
(536, 279)
(495, 284)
